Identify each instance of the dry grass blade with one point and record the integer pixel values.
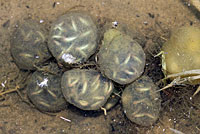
(176, 131)
(9, 91)
(198, 89)
(185, 73)
(14, 84)
(104, 110)
(192, 75)
(45, 69)
(173, 83)
(159, 54)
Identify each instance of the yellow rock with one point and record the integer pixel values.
(182, 51)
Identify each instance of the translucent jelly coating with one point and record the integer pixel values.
(120, 58)
(141, 102)
(44, 90)
(86, 89)
(73, 38)
(28, 45)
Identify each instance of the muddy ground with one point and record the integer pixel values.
(153, 19)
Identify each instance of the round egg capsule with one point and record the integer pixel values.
(44, 90)
(86, 89)
(181, 51)
(120, 58)
(141, 102)
(73, 38)
(28, 45)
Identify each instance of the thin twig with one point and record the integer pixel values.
(9, 91)
(104, 110)
(176, 131)
(117, 94)
(179, 80)
(198, 89)
(174, 82)
(65, 119)
(190, 72)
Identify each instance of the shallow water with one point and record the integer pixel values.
(151, 18)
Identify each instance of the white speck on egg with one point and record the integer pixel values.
(43, 83)
(37, 57)
(41, 21)
(68, 58)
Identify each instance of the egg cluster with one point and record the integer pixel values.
(72, 40)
